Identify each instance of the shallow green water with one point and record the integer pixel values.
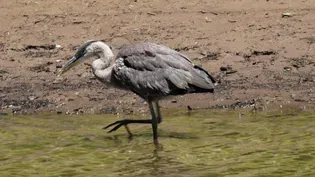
(205, 143)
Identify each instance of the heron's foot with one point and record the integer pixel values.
(158, 146)
(117, 125)
(125, 122)
(130, 135)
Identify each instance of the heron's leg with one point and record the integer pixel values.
(159, 116)
(154, 123)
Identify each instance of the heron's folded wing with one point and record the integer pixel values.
(153, 73)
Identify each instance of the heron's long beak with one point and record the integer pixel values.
(71, 63)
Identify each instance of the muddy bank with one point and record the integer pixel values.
(262, 53)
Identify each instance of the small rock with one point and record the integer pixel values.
(59, 112)
(227, 69)
(224, 68)
(32, 98)
(151, 13)
(208, 20)
(58, 46)
(287, 68)
(174, 101)
(231, 72)
(286, 14)
(57, 61)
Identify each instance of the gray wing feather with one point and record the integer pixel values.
(153, 70)
(150, 49)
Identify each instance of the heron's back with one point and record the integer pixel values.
(154, 72)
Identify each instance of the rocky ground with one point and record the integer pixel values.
(262, 52)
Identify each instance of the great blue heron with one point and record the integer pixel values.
(150, 70)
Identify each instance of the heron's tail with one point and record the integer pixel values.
(202, 82)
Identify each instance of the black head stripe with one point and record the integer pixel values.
(81, 50)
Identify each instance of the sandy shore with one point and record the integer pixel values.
(262, 52)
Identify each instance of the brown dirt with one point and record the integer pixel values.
(261, 57)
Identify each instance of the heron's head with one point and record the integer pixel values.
(89, 49)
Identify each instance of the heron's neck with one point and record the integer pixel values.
(105, 58)
(102, 68)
